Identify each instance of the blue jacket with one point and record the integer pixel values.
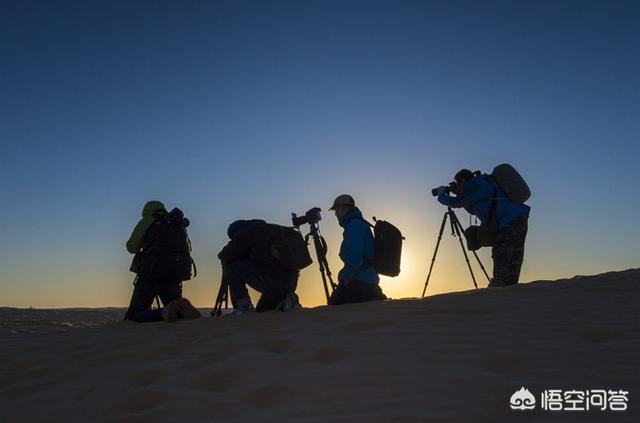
(357, 243)
(476, 198)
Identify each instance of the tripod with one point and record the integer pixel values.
(221, 298)
(320, 246)
(456, 231)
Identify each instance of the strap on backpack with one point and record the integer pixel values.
(195, 269)
(493, 218)
(366, 261)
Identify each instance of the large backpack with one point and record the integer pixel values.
(287, 247)
(387, 248)
(511, 183)
(167, 249)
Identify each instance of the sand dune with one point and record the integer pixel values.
(452, 357)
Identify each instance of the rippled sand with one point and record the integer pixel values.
(449, 358)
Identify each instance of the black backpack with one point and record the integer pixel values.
(387, 248)
(287, 247)
(507, 178)
(166, 253)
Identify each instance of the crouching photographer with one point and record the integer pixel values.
(267, 258)
(498, 201)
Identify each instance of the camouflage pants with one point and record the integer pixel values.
(508, 253)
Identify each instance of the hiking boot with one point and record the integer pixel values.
(243, 310)
(170, 311)
(187, 310)
(291, 302)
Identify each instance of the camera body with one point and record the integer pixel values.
(452, 187)
(312, 216)
(176, 217)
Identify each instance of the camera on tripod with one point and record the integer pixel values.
(311, 217)
(452, 187)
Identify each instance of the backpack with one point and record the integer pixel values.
(166, 253)
(287, 247)
(387, 242)
(511, 183)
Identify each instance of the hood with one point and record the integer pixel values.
(355, 214)
(151, 207)
(239, 225)
(236, 227)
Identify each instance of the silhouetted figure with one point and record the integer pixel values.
(481, 197)
(248, 260)
(162, 261)
(358, 280)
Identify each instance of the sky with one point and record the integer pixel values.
(256, 109)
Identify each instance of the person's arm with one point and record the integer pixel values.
(474, 192)
(237, 247)
(353, 252)
(136, 240)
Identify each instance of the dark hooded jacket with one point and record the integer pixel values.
(249, 241)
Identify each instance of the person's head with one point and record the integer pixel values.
(235, 227)
(461, 178)
(153, 207)
(343, 205)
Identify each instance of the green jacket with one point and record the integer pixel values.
(136, 240)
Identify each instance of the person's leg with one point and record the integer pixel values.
(339, 295)
(237, 274)
(508, 253)
(502, 255)
(363, 292)
(517, 245)
(291, 300)
(351, 292)
(274, 285)
(141, 301)
(374, 293)
(169, 291)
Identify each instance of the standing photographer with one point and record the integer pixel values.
(248, 260)
(358, 280)
(481, 197)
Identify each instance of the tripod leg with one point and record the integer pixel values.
(221, 298)
(328, 272)
(482, 267)
(326, 263)
(458, 226)
(321, 263)
(435, 253)
(324, 285)
(226, 297)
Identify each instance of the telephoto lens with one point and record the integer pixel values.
(452, 187)
(434, 191)
(311, 217)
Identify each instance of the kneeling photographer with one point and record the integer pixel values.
(501, 209)
(358, 280)
(251, 258)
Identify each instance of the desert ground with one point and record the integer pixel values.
(455, 357)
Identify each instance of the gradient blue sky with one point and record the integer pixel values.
(257, 109)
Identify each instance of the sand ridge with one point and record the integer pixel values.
(451, 357)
